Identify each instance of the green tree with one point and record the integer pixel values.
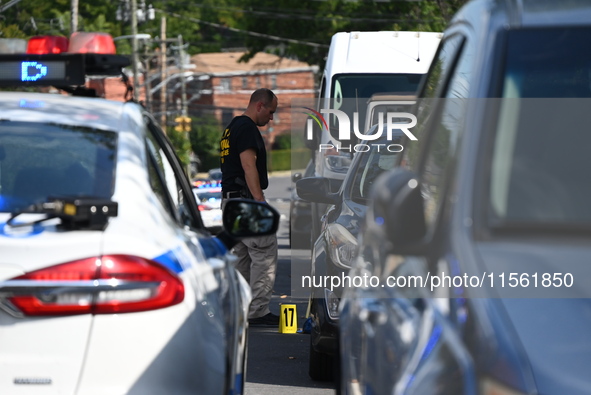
(181, 144)
(310, 21)
(205, 141)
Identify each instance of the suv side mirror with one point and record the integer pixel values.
(396, 212)
(296, 177)
(317, 190)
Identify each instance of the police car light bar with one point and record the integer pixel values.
(57, 69)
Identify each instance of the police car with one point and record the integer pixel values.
(109, 281)
(209, 203)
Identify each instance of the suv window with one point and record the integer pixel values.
(38, 160)
(540, 160)
(380, 157)
(434, 85)
(548, 63)
(444, 140)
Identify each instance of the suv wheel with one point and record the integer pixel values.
(321, 365)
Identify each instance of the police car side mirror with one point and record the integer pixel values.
(248, 218)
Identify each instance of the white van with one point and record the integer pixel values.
(359, 65)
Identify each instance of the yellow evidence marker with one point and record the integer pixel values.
(288, 319)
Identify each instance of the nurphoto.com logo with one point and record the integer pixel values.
(386, 124)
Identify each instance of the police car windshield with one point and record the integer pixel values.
(40, 160)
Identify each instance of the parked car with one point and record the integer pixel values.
(300, 213)
(491, 199)
(109, 282)
(215, 174)
(336, 247)
(209, 203)
(359, 65)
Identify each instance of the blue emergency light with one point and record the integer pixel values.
(57, 69)
(27, 69)
(39, 71)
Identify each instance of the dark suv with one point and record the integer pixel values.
(478, 244)
(335, 248)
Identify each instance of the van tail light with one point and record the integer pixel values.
(107, 285)
(203, 207)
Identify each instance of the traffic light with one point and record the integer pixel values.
(183, 124)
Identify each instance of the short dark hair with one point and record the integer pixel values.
(263, 95)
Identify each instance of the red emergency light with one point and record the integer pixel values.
(41, 45)
(87, 42)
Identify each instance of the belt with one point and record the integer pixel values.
(232, 194)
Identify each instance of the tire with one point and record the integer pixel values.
(321, 366)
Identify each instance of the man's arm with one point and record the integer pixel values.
(248, 160)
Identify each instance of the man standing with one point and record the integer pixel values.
(243, 161)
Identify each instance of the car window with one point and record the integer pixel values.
(434, 86)
(380, 157)
(547, 63)
(39, 160)
(358, 88)
(157, 180)
(443, 141)
(540, 161)
(440, 68)
(164, 179)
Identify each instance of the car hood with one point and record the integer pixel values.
(555, 332)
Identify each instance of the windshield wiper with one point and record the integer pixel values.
(32, 209)
(76, 213)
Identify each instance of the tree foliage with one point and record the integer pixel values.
(205, 140)
(299, 29)
(295, 28)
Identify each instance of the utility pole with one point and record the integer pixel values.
(74, 16)
(148, 95)
(134, 48)
(163, 72)
(183, 79)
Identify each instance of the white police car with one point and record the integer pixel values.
(109, 282)
(209, 203)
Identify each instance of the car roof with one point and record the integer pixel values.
(354, 52)
(527, 13)
(57, 108)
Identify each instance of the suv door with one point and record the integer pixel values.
(399, 321)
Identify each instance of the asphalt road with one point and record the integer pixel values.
(278, 362)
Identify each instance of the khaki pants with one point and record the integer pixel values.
(257, 262)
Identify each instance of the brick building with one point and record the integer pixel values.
(226, 85)
(218, 84)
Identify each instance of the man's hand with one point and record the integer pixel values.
(248, 160)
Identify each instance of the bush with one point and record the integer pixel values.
(287, 159)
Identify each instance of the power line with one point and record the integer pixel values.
(8, 5)
(283, 13)
(250, 33)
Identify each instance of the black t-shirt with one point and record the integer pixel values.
(241, 134)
